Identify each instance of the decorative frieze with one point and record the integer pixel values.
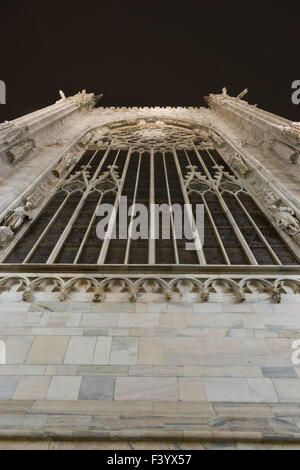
(147, 288)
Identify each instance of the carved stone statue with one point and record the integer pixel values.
(11, 223)
(67, 160)
(270, 199)
(216, 138)
(284, 217)
(85, 139)
(240, 166)
(34, 200)
(15, 218)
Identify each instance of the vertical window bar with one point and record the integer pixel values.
(46, 230)
(112, 220)
(200, 253)
(259, 233)
(212, 222)
(238, 233)
(133, 204)
(90, 225)
(171, 213)
(151, 246)
(64, 235)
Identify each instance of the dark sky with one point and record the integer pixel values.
(149, 53)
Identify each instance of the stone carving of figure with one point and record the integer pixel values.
(85, 139)
(34, 200)
(240, 166)
(284, 217)
(15, 218)
(67, 160)
(216, 138)
(12, 222)
(271, 199)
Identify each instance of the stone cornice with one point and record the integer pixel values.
(32, 127)
(255, 120)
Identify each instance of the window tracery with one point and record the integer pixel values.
(152, 162)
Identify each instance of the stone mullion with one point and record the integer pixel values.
(171, 213)
(216, 232)
(46, 230)
(238, 233)
(200, 254)
(126, 260)
(90, 225)
(55, 251)
(105, 244)
(151, 246)
(259, 233)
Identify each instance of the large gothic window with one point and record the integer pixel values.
(148, 164)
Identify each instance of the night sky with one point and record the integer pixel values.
(149, 53)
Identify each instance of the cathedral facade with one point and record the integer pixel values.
(137, 339)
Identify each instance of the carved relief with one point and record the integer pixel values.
(284, 216)
(19, 151)
(285, 219)
(12, 222)
(66, 162)
(148, 288)
(158, 134)
(216, 139)
(85, 139)
(238, 164)
(35, 199)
